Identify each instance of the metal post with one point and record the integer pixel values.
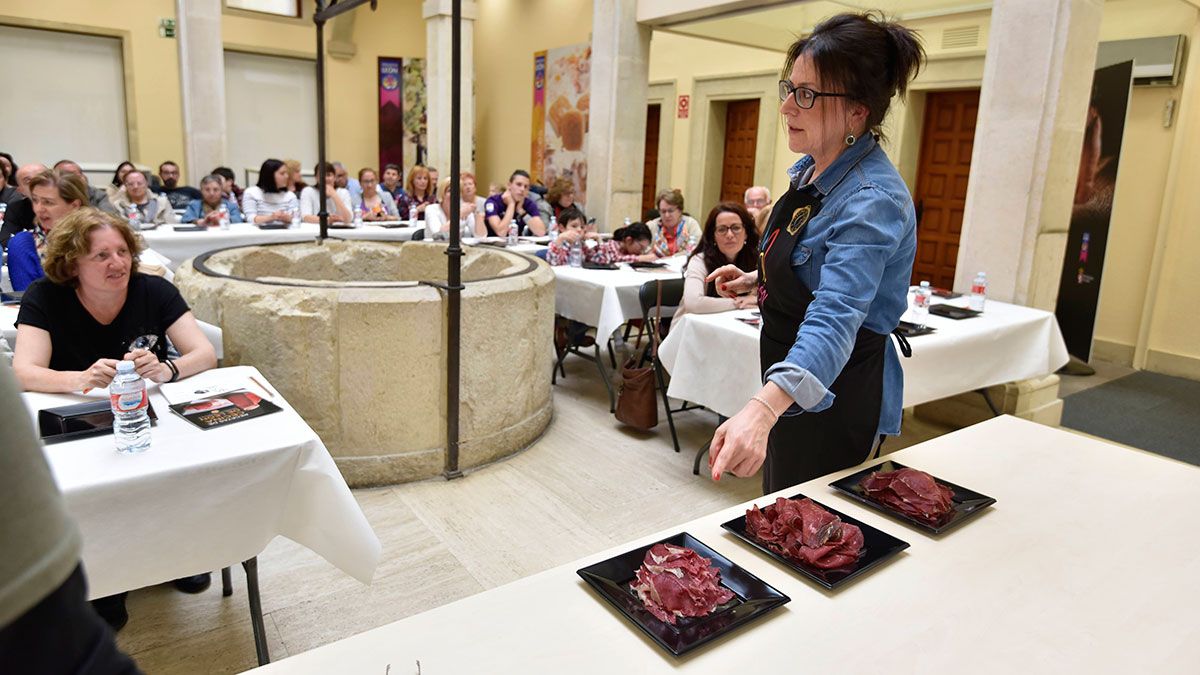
(454, 251)
(323, 214)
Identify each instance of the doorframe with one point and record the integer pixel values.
(710, 96)
(663, 93)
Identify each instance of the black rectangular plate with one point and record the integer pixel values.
(878, 546)
(909, 329)
(189, 228)
(274, 226)
(599, 266)
(752, 597)
(966, 502)
(636, 264)
(80, 420)
(952, 312)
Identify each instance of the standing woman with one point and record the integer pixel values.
(834, 264)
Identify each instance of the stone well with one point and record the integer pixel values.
(345, 331)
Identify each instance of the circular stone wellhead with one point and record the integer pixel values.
(355, 341)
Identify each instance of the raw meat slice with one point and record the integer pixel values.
(675, 581)
(803, 531)
(911, 492)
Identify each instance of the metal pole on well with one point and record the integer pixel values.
(323, 214)
(454, 251)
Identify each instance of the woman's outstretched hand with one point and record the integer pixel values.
(732, 281)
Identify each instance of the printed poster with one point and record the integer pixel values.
(561, 95)
(402, 112)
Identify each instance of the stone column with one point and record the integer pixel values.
(438, 26)
(202, 85)
(1036, 84)
(617, 113)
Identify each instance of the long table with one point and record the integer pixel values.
(180, 246)
(713, 358)
(606, 298)
(1084, 564)
(198, 501)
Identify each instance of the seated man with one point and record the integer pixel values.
(350, 184)
(757, 198)
(19, 217)
(391, 182)
(179, 195)
(514, 206)
(207, 210)
(229, 183)
(135, 199)
(97, 197)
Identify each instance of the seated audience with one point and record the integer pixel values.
(469, 192)
(270, 201)
(229, 184)
(418, 194)
(97, 197)
(345, 181)
(375, 204)
(392, 183)
(118, 179)
(19, 216)
(8, 166)
(561, 197)
(54, 194)
(674, 232)
(628, 244)
(538, 192)
(207, 210)
(756, 198)
(296, 182)
(337, 200)
(179, 195)
(761, 219)
(8, 191)
(571, 231)
(152, 209)
(470, 221)
(514, 205)
(730, 238)
(80, 319)
(433, 175)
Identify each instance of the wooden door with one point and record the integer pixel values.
(942, 173)
(650, 163)
(741, 137)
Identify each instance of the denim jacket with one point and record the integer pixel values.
(856, 256)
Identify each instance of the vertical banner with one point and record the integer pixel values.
(391, 118)
(1087, 239)
(416, 146)
(538, 149)
(560, 117)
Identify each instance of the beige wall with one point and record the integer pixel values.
(507, 34)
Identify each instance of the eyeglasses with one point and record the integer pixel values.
(805, 97)
(732, 229)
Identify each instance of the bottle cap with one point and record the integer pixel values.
(924, 284)
(125, 366)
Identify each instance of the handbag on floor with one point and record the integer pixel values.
(637, 399)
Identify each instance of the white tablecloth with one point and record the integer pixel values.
(8, 317)
(180, 246)
(605, 298)
(1084, 565)
(713, 358)
(198, 500)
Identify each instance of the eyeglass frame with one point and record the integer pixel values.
(787, 89)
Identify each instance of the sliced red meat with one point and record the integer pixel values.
(675, 581)
(911, 492)
(803, 531)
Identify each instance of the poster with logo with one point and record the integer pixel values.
(561, 95)
(402, 112)
(1087, 239)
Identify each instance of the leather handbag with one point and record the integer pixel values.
(637, 399)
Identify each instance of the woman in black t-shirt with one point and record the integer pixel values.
(78, 321)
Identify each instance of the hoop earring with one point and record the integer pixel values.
(850, 139)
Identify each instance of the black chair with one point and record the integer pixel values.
(570, 347)
(672, 296)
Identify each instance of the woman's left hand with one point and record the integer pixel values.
(739, 446)
(146, 363)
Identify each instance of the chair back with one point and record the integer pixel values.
(672, 295)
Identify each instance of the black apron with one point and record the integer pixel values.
(811, 444)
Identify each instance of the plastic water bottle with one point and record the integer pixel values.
(131, 421)
(295, 211)
(978, 292)
(134, 216)
(628, 222)
(552, 230)
(512, 232)
(921, 302)
(412, 215)
(575, 256)
(224, 216)
(3, 210)
(358, 221)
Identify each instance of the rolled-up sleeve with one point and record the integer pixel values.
(865, 235)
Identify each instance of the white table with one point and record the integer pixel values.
(180, 246)
(1086, 563)
(198, 501)
(1006, 343)
(8, 329)
(606, 298)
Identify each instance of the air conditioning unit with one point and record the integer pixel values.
(1157, 61)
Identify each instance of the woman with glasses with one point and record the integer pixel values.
(375, 203)
(833, 266)
(730, 238)
(673, 231)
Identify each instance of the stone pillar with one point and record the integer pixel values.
(202, 85)
(617, 113)
(438, 26)
(1036, 84)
